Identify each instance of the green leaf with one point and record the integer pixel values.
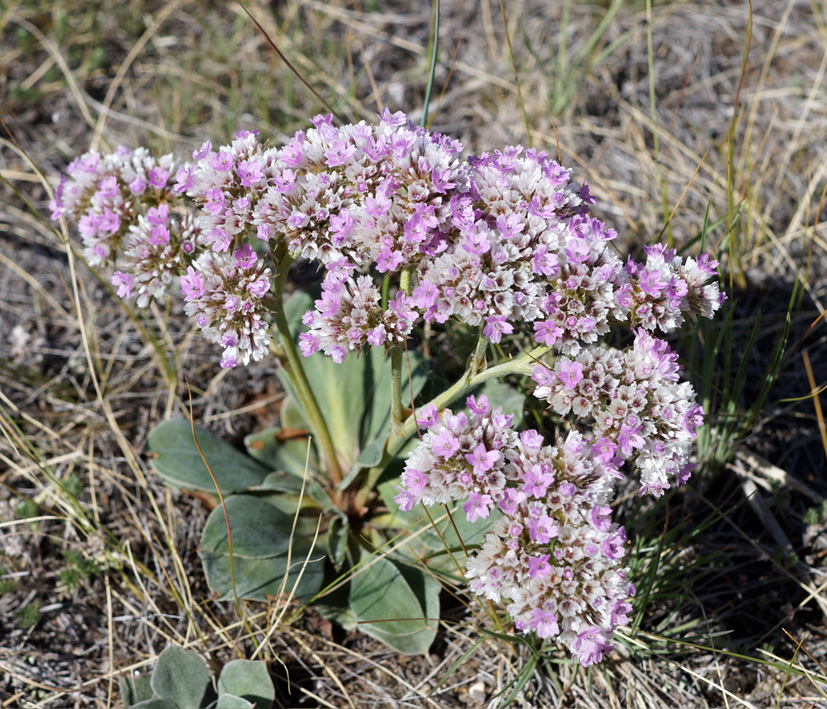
(354, 396)
(395, 603)
(181, 677)
(231, 701)
(371, 454)
(289, 456)
(337, 537)
(313, 493)
(261, 535)
(376, 423)
(340, 392)
(296, 306)
(248, 680)
(291, 415)
(135, 689)
(155, 703)
(180, 464)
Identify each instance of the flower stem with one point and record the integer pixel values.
(396, 389)
(291, 362)
(396, 363)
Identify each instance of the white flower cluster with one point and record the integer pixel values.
(494, 240)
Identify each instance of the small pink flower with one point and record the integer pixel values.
(123, 282)
(496, 326)
(445, 444)
(245, 257)
(477, 506)
(404, 499)
(482, 459)
(591, 646)
(571, 372)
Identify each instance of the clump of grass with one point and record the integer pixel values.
(77, 569)
(28, 616)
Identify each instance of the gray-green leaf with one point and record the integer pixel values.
(395, 603)
(135, 689)
(155, 703)
(231, 701)
(262, 547)
(181, 677)
(248, 680)
(180, 464)
(289, 456)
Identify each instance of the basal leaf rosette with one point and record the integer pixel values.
(555, 554)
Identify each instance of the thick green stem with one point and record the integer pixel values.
(396, 363)
(291, 362)
(477, 362)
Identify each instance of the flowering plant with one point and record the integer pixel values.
(410, 232)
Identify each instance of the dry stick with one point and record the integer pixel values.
(683, 194)
(50, 47)
(822, 429)
(800, 644)
(110, 630)
(371, 78)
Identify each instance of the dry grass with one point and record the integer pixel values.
(98, 570)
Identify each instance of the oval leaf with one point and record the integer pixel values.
(135, 689)
(288, 456)
(181, 677)
(396, 604)
(259, 530)
(155, 703)
(180, 464)
(249, 680)
(262, 551)
(231, 701)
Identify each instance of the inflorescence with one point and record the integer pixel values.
(491, 241)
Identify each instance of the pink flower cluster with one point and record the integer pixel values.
(502, 238)
(553, 552)
(491, 241)
(637, 409)
(125, 206)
